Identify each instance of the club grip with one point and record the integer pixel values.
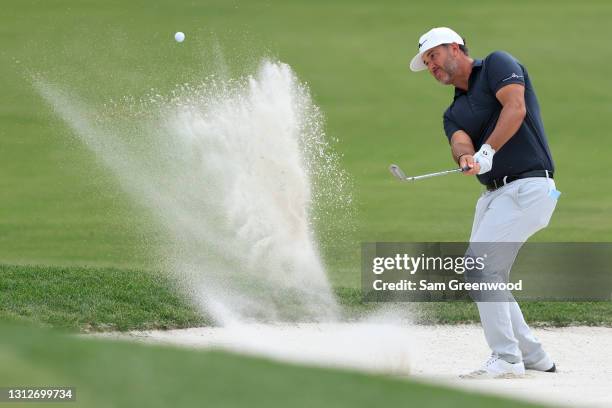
(466, 168)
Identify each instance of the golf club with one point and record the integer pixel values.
(398, 173)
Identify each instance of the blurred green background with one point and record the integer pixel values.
(60, 206)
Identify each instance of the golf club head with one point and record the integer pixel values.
(397, 172)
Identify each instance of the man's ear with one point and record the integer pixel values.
(455, 48)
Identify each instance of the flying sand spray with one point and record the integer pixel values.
(233, 172)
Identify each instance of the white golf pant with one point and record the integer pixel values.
(512, 213)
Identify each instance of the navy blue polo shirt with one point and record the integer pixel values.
(476, 112)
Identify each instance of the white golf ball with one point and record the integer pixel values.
(179, 37)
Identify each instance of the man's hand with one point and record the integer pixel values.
(467, 161)
(463, 152)
(484, 157)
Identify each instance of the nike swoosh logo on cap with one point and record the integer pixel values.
(421, 44)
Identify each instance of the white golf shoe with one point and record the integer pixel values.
(545, 364)
(495, 367)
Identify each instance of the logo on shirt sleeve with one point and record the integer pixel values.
(514, 75)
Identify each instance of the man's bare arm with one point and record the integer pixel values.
(461, 144)
(462, 150)
(512, 98)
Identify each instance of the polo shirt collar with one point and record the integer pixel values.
(476, 65)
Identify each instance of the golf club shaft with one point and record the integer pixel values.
(439, 173)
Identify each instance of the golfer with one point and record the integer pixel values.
(495, 130)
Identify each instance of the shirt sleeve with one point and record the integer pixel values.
(503, 69)
(450, 127)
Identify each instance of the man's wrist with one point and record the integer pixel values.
(487, 150)
(461, 155)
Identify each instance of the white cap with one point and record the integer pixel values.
(433, 38)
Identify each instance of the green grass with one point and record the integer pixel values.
(94, 299)
(100, 299)
(59, 206)
(536, 313)
(115, 374)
